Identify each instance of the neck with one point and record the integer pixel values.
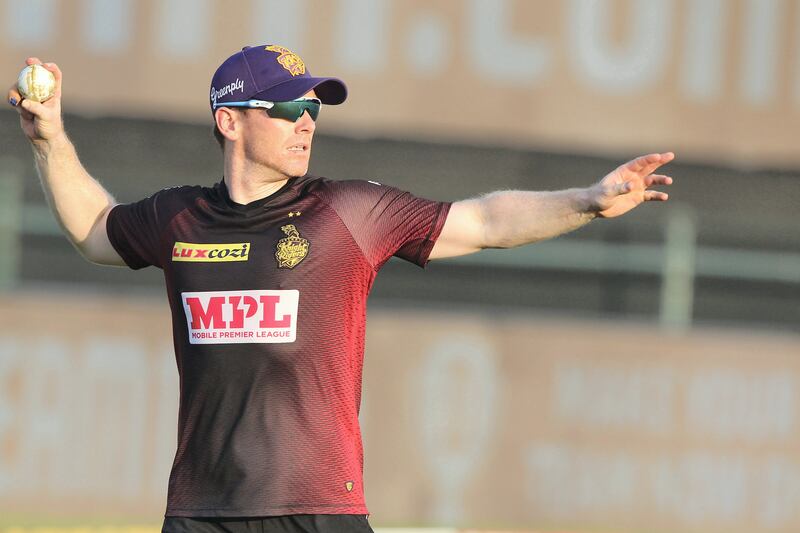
(248, 182)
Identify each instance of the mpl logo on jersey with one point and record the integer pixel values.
(234, 317)
(210, 253)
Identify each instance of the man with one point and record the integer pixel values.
(267, 275)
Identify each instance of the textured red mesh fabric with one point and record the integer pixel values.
(268, 305)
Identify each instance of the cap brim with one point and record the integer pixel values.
(330, 91)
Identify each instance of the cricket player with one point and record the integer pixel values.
(267, 274)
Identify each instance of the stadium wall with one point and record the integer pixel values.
(469, 419)
(708, 78)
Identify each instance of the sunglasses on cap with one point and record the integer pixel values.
(290, 111)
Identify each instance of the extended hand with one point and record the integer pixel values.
(40, 121)
(629, 185)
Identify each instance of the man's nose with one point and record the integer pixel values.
(305, 122)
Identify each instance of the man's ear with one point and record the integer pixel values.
(228, 123)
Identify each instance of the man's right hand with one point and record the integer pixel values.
(79, 203)
(41, 121)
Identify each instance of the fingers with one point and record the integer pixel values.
(26, 115)
(52, 67)
(28, 109)
(646, 182)
(655, 196)
(657, 179)
(646, 164)
(35, 108)
(13, 97)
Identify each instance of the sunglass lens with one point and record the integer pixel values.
(292, 111)
(313, 109)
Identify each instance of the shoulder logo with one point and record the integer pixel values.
(288, 60)
(210, 253)
(291, 249)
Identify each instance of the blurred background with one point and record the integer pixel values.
(640, 374)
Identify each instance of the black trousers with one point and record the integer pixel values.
(301, 523)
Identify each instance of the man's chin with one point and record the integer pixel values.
(298, 172)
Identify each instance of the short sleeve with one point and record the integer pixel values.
(133, 230)
(386, 221)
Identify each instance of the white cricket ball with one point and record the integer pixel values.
(36, 83)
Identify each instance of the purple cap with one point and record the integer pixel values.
(272, 73)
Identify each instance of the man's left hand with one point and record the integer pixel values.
(629, 185)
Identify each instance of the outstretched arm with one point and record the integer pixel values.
(79, 203)
(506, 219)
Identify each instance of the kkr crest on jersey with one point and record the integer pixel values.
(291, 249)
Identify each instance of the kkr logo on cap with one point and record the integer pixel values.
(210, 253)
(288, 60)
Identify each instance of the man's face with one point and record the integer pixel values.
(278, 144)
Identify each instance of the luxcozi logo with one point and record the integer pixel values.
(210, 253)
(234, 317)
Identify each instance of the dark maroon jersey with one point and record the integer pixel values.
(268, 307)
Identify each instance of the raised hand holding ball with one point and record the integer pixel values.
(36, 83)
